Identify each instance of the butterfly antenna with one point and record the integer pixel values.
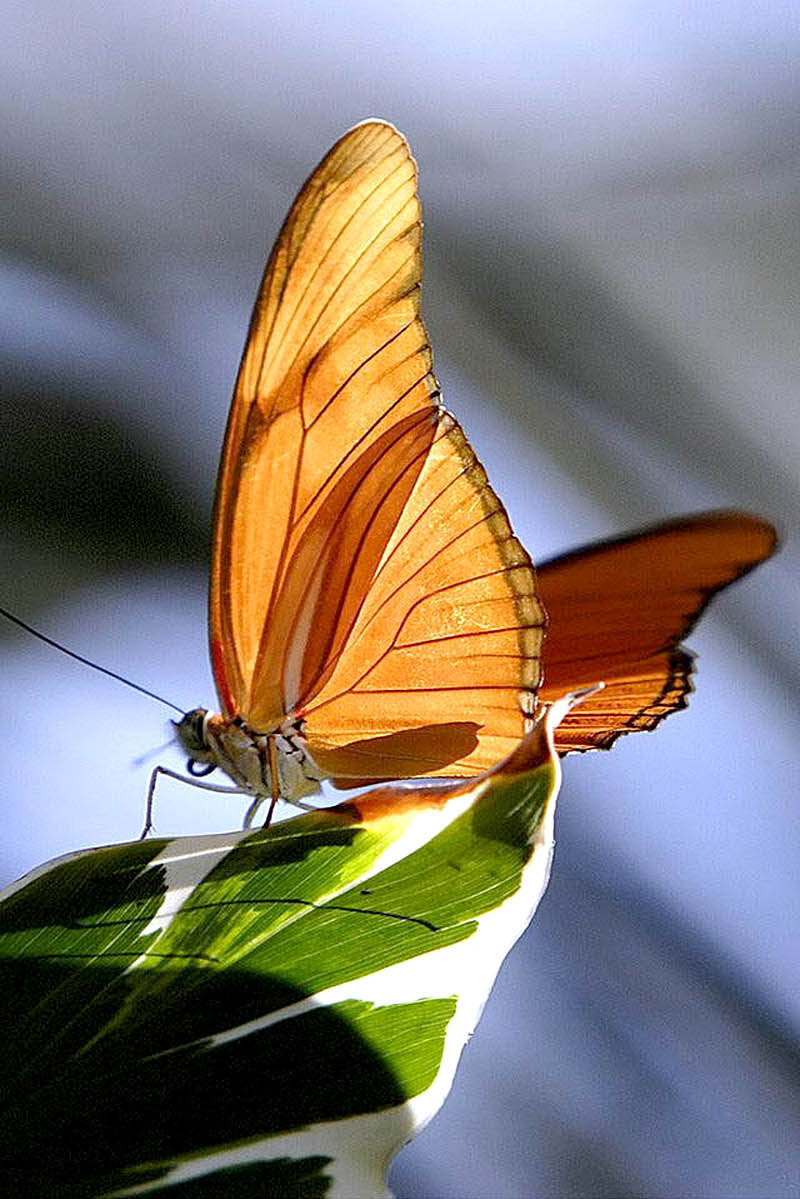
(152, 753)
(86, 662)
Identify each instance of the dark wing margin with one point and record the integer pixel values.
(618, 610)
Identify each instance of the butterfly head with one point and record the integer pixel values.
(191, 732)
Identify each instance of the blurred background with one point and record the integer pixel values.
(612, 203)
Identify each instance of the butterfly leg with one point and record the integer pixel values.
(148, 813)
(274, 779)
(251, 811)
(268, 757)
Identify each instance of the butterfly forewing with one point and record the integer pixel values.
(618, 609)
(364, 577)
(336, 311)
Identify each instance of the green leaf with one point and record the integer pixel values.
(270, 1012)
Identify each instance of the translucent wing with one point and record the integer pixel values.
(618, 609)
(364, 577)
(443, 661)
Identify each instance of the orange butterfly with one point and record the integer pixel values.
(372, 615)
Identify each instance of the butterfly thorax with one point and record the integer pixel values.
(247, 756)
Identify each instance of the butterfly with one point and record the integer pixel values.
(372, 615)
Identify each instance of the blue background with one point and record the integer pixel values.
(612, 272)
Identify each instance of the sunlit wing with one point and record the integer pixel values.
(618, 609)
(364, 576)
(442, 662)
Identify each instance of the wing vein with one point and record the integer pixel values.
(323, 197)
(353, 265)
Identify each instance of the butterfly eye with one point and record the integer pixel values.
(191, 733)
